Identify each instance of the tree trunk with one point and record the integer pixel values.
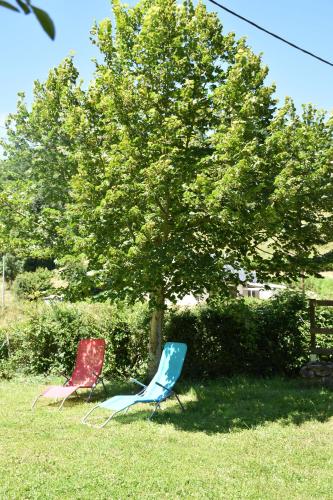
(155, 338)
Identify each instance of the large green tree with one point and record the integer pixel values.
(174, 102)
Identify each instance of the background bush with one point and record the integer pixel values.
(46, 342)
(239, 337)
(244, 337)
(248, 337)
(33, 285)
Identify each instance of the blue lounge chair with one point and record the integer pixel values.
(158, 390)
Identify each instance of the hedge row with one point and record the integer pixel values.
(258, 338)
(238, 337)
(46, 342)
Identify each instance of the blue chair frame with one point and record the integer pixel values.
(159, 389)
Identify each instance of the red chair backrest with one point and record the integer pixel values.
(89, 362)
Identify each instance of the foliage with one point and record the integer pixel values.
(259, 338)
(282, 344)
(33, 285)
(299, 215)
(79, 284)
(13, 266)
(285, 192)
(324, 318)
(135, 214)
(47, 340)
(263, 338)
(26, 7)
(172, 168)
(325, 261)
(38, 165)
(7, 368)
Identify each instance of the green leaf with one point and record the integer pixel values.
(8, 6)
(24, 6)
(45, 21)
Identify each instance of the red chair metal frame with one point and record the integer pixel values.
(86, 373)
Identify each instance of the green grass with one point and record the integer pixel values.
(237, 439)
(321, 287)
(14, 311)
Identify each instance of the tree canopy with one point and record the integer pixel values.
(39, 164)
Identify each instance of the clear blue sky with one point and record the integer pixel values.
(27, 53)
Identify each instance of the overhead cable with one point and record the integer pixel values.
(278, 37)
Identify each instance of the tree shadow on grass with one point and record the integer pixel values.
(235, 404)
(227, 405)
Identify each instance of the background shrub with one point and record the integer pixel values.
(79, 284)
(47, 341)
(220, 339)
(7, 363)
(282, 338)
(33, 285)
(246, 337)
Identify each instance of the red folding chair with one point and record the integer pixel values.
(86, 373)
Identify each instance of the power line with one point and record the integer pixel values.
(272, 34)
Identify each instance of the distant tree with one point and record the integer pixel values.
(298, 217)
(26, 7)
(39, 164)
(13, 266)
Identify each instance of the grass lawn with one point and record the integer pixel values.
(238, 438)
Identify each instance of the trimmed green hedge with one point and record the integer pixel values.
(239, 337)
(47, 341)
(259, 338)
